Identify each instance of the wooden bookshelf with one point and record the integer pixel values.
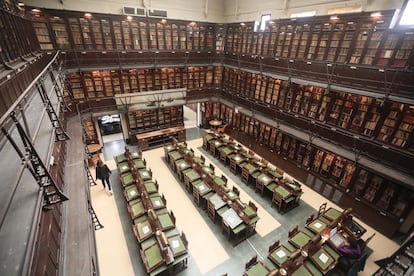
(60, 33)
(404, 132)
(43, 35)
(91, 136)
(372, 118)
(324, 41)
(405, 51)
(390, 123)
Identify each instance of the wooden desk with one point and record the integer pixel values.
(160, 137)
(257, 269)
(279, 255)
(300, 239)
(317, 226)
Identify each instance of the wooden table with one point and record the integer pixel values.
(93, 148)
(215, 123)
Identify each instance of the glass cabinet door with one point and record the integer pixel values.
(107, 35)
(61, 35)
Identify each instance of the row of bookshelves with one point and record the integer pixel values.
(71, 30)
(351, 38)
(344, 174)
(386, 121)
(18, 38)
(149, 120)
(106, 83)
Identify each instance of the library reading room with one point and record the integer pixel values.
(207, 137)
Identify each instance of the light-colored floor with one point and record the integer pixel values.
(112, 249)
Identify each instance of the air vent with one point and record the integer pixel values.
(128, 10)
(140, 11)
(157, 13)
(133, 11)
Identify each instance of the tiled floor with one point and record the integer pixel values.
(210, 252)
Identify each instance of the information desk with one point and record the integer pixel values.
(160, 137)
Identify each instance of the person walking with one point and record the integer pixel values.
(102, 173)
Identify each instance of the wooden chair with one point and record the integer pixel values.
(211, 211)
(224, 178)
(213, 148)
(245, 176)
(292, 262)
(172, 217)
(196, 195)
(235, 190)
(233, 166)
(259, 187)
(184, 239)
(314, 243)
(205, 143)
(212, 167)
(264, 162)
(277, 199)
(322, 209)
(221, 129)
(203, 159)
(273, 246)
(253, 206)
(226, 229)
(363, 243)
(310, 218)
(251, 262)
(293, 231)
(280, 171)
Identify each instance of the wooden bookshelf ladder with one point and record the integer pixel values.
(59, 88)
(60, 134)
(88, 172)
(30, 158)
(96, 224)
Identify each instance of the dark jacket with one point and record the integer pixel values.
(102, 172)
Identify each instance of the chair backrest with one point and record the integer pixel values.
(280, 171)
(274, 245)
(251, 262)
(322, 209)
(203, 159)
(251, 152)
(164, 199)
(236, 191)
(231, 139)
(156, 184)
(314, 243)
(224, 178)
(358, 264)
(172, 217)
(364, 244)
(264, 162)
(310, 218)
(277, 197)
(212, 167)
(253, 206)
(293, 231)
(184, 239)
